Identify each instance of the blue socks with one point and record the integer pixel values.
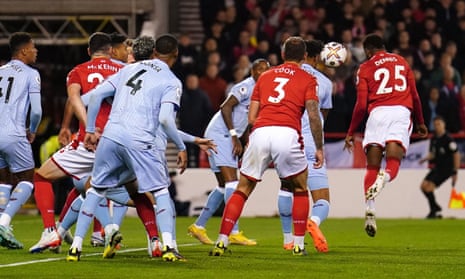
(285, 210)
(213, 203)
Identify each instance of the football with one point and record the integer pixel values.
(333, 54)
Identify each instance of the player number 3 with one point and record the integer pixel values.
(279, 88)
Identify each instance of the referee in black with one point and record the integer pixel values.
(444, 159)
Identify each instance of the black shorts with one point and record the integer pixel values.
(438, 176)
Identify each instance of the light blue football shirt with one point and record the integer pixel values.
(242, 92)
(19, 83)
(325, 88)
(139, 90)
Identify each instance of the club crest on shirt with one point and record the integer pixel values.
(242, 90)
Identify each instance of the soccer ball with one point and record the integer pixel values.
(333, 54)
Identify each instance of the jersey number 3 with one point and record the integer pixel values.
(279, 88)
(384, 75)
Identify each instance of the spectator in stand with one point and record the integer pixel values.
(424, 46)
(427, 70)
(449, 92)
(262, 51)
(403, 45)
(436, 43)
(276, 14)
(214, 86)
(358, 26)
(451, 49)
(445, 62)
(209, 45)
(244, 45)
(223, 39)
(461, 99)
(194, 115)
(188, 56)
(431, 106)
(459, 38)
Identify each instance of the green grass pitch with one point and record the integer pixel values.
(403, 248)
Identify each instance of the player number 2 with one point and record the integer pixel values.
(8, 89)
(279, 88)
(384, 75)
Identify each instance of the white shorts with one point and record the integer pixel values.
(277, 144)
(76, 162)
(388, 124)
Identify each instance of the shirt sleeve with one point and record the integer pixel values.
(96, 96)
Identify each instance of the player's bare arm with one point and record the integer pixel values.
(182, 161)
(206, 145)
(74, 97)
(226, 111)
(349, 143)
(64, 136)
(313, 112)
(422, 130)
(254, 107)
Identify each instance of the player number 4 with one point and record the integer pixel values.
(135, 83)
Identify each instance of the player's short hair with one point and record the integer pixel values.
(166, 44)
(99, 41)
(314, 47)
(17, 40)
(373, 41)
(294, 49)
(142, 48)
(257, 62)
(117, 38)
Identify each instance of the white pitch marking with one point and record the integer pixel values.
(83, 255)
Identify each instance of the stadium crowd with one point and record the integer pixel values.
(430, 34)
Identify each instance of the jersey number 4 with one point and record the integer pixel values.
(135, 83)
(384, 75)
(8, 89)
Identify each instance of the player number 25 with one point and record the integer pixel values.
(384, 75)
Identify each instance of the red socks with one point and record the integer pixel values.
(232, 212)
(370, 177)
(144, 208)
(300, 210)
(45, 200)
(392, 167)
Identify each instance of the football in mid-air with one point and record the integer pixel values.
(333, 54)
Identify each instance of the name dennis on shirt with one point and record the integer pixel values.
(383, 60)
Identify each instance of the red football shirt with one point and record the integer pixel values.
(282, 92)
(385, 80)
(88, 75)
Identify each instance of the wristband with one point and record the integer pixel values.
(454, 172)
(233, 132)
